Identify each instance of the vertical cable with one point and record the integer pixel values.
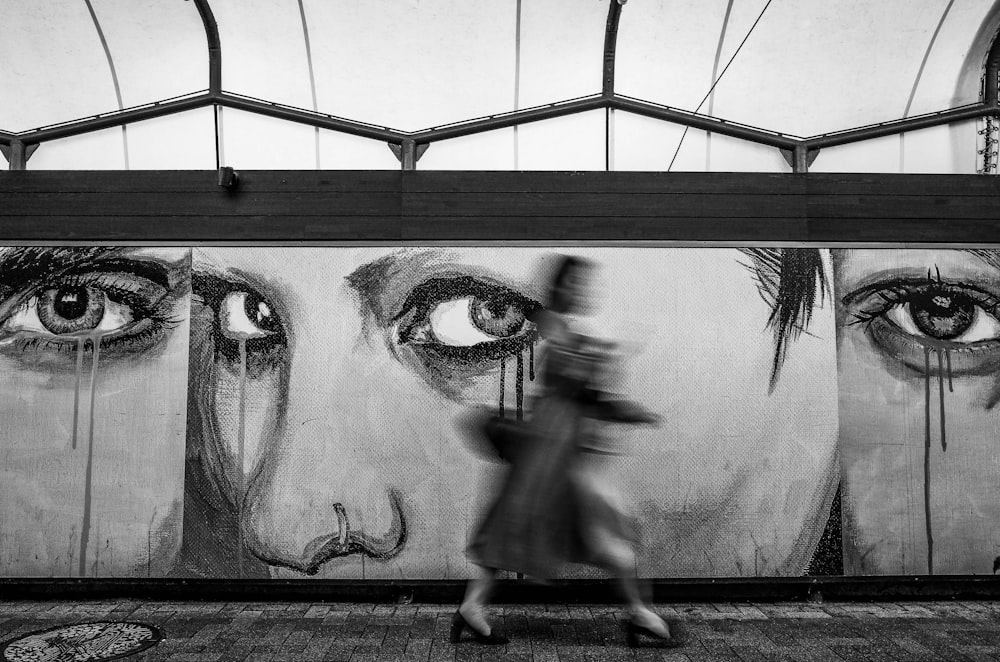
(609, 139)
(114, 75)
(218, 138)
(517, 75)
(312, 76)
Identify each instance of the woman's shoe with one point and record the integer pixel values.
(633, 631)
(458, 623)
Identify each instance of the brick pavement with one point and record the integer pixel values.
(807, 632)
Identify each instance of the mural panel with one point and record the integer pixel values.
(93, 349)
(919, 344)
(328, 387)
(292, 412)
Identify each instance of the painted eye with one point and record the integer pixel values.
(245, 316)
(71, 310)
(462, 313)
(949, 316)
(470, 321)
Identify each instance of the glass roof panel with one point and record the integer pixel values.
(641, 143)
(54, 68)
(815, 67)
(255, 142)
(941, 150)
(575, 142)
(100, 150)
(562, 49)
(806, 68)
(159, 48)
(800, 68)
(939, 84)
(340, 151)
(403, 64)
(43, 84)
(493, 150)
(667, 48)
(263, 50)
(185, 141)
(420, 65)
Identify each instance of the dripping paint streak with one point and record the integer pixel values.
(531, 361)
(503, 381)
(927, 460)
(76, 389)
(944, 442)
(241, 445)
(519, 386)
(947, 356)
(95, 341)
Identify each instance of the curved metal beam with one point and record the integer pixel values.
(611, 47)
(214, 45)
(991, 91)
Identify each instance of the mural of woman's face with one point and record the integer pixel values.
(331, 380)
(919, 355)
(93, 376)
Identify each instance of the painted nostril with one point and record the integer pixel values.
(347, 541)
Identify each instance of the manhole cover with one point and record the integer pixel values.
(82, 642)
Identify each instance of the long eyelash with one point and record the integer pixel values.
(899, 292)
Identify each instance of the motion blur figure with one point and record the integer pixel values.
(557, 504)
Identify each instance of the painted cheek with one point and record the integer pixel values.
(318, 480)
(247, 412)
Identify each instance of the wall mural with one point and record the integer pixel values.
(292, 412)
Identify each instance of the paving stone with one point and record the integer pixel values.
(344, 632)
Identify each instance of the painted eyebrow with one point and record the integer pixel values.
(369, 280)
(991, 256)
(23, 266)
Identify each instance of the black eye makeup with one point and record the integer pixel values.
(126, 306)
(906, 317)
(466, 320)
(460, 327)
(242, 316)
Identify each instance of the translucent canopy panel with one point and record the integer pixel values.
(185, 141)
(575, 142)
(798, 68)
(254, 142)
(66, 59)
(801, 68)
(408, 64)
(645, 144)
(950, 149)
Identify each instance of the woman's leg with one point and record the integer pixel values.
(478, 592)
(620, 562)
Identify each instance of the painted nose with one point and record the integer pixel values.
(286, 523)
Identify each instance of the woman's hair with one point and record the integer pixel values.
(559, 301)
(792, 281)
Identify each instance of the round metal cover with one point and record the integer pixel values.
(82, 642)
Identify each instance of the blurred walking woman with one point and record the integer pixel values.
(556, 504)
